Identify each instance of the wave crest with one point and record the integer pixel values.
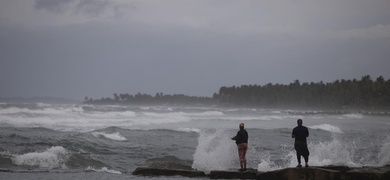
(104, 169)
(215, 151)
(189, 130)
(327, 127)
(113, 136)
(54, 157)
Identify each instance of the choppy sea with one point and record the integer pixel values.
(74, 141)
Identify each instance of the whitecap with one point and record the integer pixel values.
(327, 127)
(351, 116)
(189, 130)
(208, 113)
(103, 169)
(53, 157)
(113, 136)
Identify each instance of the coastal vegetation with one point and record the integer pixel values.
(347, 94)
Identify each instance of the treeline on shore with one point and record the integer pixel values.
(158, 99)
(351, 94)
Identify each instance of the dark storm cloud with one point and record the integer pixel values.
(91, 8)
(57, 6)
(75, 48)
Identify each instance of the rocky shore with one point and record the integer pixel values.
(311, 173)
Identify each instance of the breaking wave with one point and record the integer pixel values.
(351, 116)
(54, 157)
(215, 151)
(104, 169)
(189, 130)
(334, 152)
(327, 127)
(384, 154)
(113, 136)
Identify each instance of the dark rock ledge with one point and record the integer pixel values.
(148, 171)
(311, 173)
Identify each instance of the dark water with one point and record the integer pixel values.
(41, 141)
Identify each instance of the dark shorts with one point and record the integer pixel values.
(301, 149)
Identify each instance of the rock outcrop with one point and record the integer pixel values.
(147, 171)
(248, 174)
(311, 173)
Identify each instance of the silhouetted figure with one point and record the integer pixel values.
(242, 145)
(300, 133)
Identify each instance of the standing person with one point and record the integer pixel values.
(300, 133)
(242, 145)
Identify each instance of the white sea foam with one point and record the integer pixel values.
(208, 113)
(189, 130)
(351, 116)
(260, 118)
(215, 151)
(384, 154)
(103, 169)
(333, 152)
(53, 157)
(327, 127)
(43, 104)
(266, 164)
(149, 118)
(185, 114)
(113, 136)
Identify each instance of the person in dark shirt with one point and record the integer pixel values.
(242, 145)
(300, 133)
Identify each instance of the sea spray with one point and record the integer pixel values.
(384, 154)
(266, 164)
(334, 152)
(215, 151)
(54, 157)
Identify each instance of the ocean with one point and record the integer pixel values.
(76, 141)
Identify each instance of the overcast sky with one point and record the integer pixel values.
(94, 48)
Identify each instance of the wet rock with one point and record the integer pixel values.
(337, 168)
(312, 173)
(368, 173)
(147, 171)
(248, 174)
(169, 162)
(171, 166)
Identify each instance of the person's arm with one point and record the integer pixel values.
(293, 134)
(235, 137)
